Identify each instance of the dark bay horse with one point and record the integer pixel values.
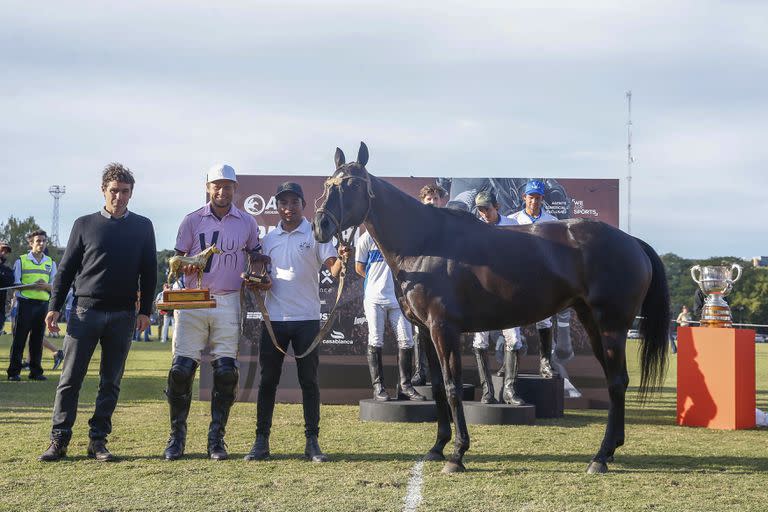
(455, 274)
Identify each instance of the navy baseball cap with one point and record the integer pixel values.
(289, 186)
(534, 187)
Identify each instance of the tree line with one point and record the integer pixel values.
(749, 299)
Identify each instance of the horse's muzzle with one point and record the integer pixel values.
(322, 228)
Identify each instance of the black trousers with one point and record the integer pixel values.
(300, 334)
(86, 329)
(30, 322)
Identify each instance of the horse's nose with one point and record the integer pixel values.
(321, 228)
(316, 230)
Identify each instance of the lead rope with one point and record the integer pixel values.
(328, 323)
(334, 181)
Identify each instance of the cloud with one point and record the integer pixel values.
(435, 88)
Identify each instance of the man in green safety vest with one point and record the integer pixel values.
(36, 270)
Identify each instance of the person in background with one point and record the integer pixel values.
(432, 195)
(36, 270)
(684, 319)
(488, 211)
(148, 330)
(6, 279)
(381, 307)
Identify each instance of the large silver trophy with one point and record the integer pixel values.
(716, 282)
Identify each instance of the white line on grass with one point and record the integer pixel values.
(413, 496)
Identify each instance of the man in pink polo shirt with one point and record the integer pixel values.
(233, 231)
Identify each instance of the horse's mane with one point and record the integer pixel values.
(461, 215)
(457, 215)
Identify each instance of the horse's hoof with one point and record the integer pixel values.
(453, 467)
(596, 468)
(434, 456)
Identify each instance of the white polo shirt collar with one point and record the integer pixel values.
(304, 227)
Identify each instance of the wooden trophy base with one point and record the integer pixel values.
(195, 298)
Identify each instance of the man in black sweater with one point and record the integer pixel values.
(110, 257)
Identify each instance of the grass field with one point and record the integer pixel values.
(661, 467)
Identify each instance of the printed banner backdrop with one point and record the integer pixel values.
(344, 376)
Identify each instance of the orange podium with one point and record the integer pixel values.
(716, 377)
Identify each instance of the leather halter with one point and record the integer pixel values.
(337, 181)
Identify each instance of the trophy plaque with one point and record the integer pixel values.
(188, 298)
(716, 282)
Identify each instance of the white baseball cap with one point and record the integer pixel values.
(221, 172)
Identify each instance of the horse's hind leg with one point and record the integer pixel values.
(446, 341)
(609, 348)
(438, 391)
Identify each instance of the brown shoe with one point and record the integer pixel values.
(97, 449)
(56, 450)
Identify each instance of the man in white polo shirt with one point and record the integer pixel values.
(532, 214)
(488, 210)
(293, 304)
(432, 195)
(234, 232)
(381, 306)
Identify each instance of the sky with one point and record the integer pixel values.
(434, 88)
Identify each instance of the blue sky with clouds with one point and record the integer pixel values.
(434, 88)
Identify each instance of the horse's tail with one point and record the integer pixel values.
(654, 328)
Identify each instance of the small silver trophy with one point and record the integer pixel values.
(716, 282)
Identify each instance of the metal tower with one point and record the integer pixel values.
(56, 191)
(630, 160)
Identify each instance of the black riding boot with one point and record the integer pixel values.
(179, 393)
(421, 374)
(481, 355)
(511, 363)
(545, 353)
(405, 389)
(376, 367)
(564, 347)
(225, 377)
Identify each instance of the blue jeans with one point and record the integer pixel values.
(88, 328)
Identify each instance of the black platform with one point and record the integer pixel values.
(467, 394)
(477, 413)
(404, 411)
(545, 394)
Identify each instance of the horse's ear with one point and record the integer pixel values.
(339, 158)
(362, 154)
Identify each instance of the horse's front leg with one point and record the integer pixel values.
(438, 392)
(446, 341)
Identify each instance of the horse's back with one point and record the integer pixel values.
(616, 269)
